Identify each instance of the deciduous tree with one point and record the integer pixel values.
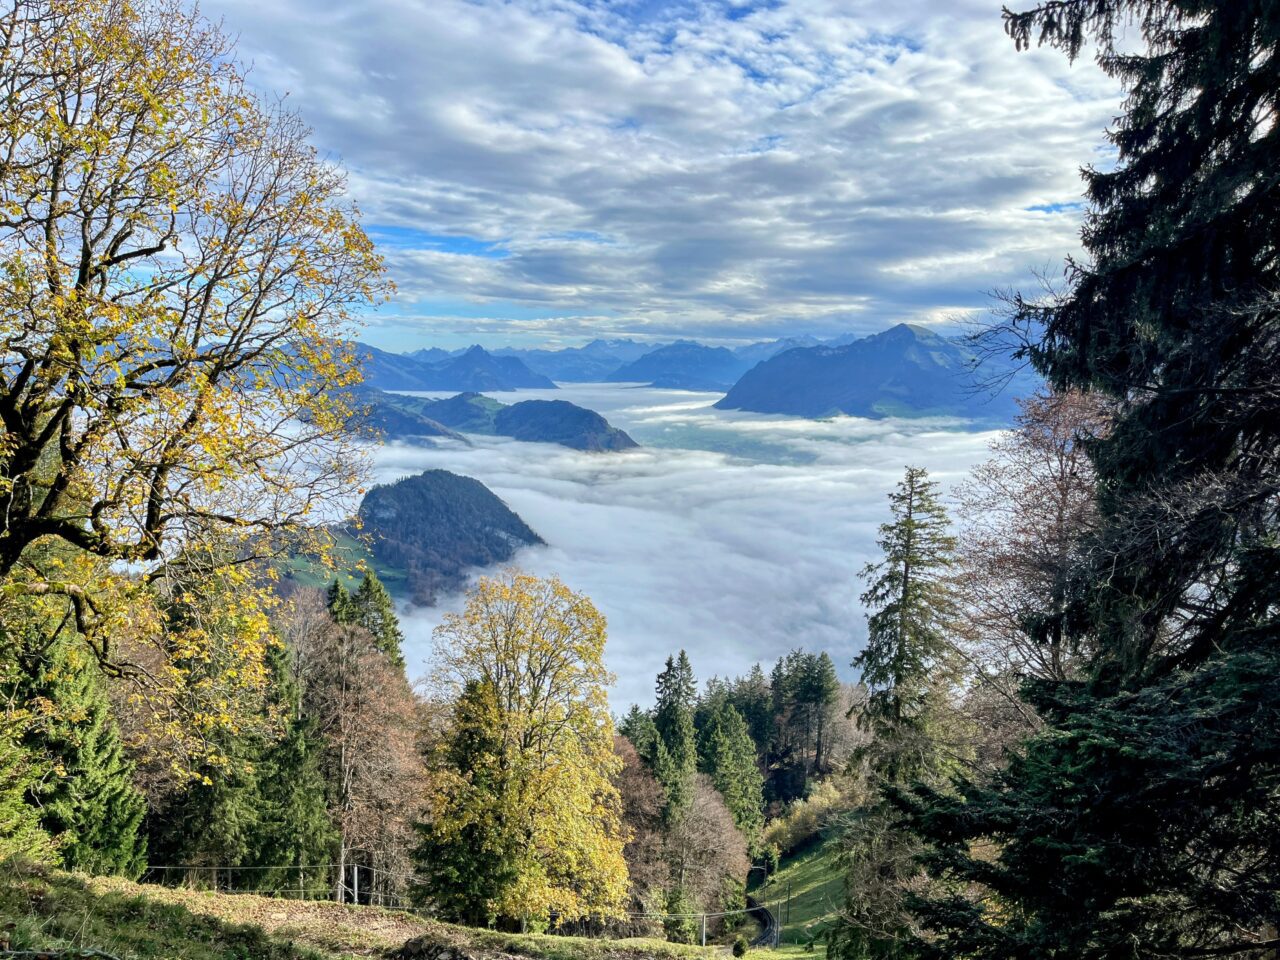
(532, 787)
(178, 267)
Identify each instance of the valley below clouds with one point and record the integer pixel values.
(733, 536)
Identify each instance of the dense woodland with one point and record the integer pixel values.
(1064, 738)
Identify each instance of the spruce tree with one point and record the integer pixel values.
(676, 750)
(88, 802)
(907, 661)
(293, 830)
(730, 760)
(907, 668)
(1144, 819)
(21, 832)
(371, 607)
(338, 601)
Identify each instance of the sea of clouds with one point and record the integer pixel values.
(736, 537)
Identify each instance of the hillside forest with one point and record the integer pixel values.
(1065, 735)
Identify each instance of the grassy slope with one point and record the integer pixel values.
(349, 556)
(49, 909)
(816, 891)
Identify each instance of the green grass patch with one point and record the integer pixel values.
(349, 557)
(816, 887)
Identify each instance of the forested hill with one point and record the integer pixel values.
(377, 417)
(436, 526)
(538, 421)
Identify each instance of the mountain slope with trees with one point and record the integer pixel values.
(534, 421)
(436, 527)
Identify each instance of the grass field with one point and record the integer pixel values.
(49, 910)
(814, 882)
(349, 557)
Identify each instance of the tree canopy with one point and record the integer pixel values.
(179, 266)
(524, 820)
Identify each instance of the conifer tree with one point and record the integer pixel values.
(88, 803)
(676, 751)
(638, 727)
(1143, 820)
(371, 607)
(907, 662)
(293, 830)
(338, 601)
(21, 833)
(730, 760)
(907, 668)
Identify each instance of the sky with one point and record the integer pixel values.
(544, 172)
(734, 536)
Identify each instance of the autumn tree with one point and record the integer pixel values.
(1023, 516)
(358, 702)
(643, 801)
(179, 265)
(707, 856)
(522, 776)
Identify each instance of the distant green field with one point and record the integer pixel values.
(350, 557)
(814, 882)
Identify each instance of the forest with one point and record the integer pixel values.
(1064, 737)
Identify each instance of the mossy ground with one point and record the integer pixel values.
(43, 909)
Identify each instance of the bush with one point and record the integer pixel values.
(806, 818)
(740, 946)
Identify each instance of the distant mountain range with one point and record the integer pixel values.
(590, 364)
(684, 366)
(436, 527)
(434, 369)
(411, 419)
(906, 371)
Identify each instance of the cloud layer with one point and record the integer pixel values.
(557, 169)
(736, 537)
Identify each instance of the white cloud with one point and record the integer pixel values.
(736, 557)
(692, 169)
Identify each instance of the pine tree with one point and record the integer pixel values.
(88, 803)
(371, 607)
(1144, 819)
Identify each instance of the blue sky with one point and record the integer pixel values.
(549, 171)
